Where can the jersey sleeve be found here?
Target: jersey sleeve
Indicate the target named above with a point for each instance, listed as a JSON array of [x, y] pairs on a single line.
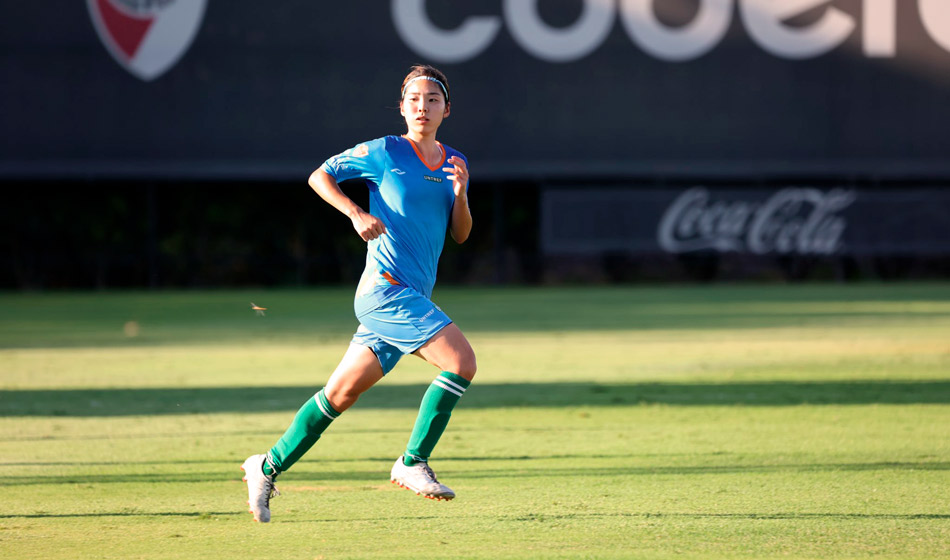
[[453, 152], [450, 151], [363, 161]]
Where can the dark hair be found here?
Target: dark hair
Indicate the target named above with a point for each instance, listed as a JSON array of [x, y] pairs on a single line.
[[431, 72]]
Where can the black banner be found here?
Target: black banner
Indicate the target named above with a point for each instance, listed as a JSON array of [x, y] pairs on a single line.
[[795, 221], [581, 88]]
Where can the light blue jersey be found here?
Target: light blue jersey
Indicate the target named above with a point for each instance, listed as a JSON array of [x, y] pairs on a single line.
[[413, 200]]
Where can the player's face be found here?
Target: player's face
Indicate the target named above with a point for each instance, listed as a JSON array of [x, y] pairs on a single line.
[[424, 107]]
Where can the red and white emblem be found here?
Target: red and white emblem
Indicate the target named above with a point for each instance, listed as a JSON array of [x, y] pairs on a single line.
[[147, 37]]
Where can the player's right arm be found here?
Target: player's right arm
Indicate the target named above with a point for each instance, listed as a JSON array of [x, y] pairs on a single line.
[[368, 226]]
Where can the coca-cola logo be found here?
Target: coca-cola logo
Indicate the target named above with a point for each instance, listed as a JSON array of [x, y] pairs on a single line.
[[792, 221]]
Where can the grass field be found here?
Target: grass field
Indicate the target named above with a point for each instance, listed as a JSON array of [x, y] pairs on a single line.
[[719, 422]]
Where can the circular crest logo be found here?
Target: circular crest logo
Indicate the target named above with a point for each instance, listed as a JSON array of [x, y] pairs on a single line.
[[147, 37]]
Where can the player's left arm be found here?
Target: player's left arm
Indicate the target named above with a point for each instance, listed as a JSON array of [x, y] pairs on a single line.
[[460, 222]]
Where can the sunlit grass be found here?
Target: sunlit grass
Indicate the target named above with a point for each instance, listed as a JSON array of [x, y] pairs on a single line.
[[736, 421]]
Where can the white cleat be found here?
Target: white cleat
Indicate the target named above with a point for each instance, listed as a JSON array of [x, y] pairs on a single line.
[[420, 479], [260, 488]]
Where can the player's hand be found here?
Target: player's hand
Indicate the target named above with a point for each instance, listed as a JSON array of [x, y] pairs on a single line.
[[458, 174], [368, 226]]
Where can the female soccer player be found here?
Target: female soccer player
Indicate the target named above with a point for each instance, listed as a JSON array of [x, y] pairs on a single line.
[[418, 190]]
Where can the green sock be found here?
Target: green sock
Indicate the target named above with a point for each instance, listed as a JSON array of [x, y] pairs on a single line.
[[434, 413], [311, 420]]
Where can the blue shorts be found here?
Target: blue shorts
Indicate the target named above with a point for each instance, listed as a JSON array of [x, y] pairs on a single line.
[[394, 321]]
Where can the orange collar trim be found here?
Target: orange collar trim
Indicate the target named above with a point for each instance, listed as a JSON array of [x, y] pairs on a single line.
[[415, 148]]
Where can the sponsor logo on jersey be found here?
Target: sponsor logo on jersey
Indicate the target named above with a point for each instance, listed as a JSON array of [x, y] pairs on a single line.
[[397, 171], [146, 37], [431, 178], [361, 151]]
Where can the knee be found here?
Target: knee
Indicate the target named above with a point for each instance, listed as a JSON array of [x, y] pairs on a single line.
[[467, 366], [342, 396]]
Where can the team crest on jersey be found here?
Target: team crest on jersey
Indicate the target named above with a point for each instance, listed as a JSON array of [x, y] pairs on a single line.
[[361, 151], [147, 37]]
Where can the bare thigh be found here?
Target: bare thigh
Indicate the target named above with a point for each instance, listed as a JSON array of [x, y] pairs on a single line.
[[449, 350], [358, 371]]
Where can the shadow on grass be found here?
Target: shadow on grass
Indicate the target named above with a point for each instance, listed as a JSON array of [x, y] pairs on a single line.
[[740, 516], [223, 317], [526, 471], [150, 401], [540, 518], [194, 514]]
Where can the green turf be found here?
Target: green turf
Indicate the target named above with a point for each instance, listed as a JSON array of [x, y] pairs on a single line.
[[718, 422]]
